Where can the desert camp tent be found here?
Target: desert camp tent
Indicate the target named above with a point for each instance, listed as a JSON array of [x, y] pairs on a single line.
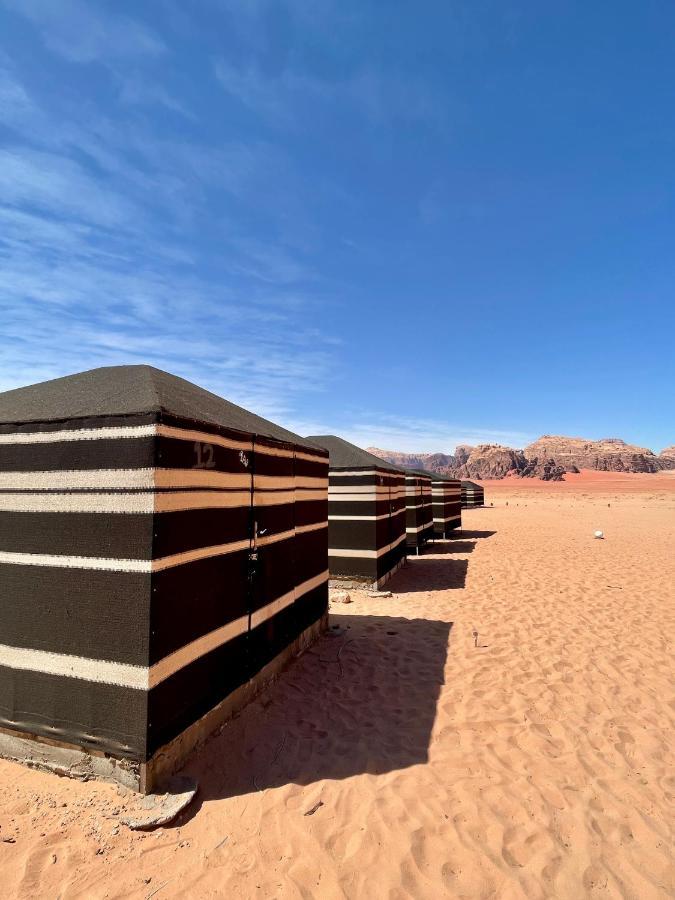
[[472, 494], [419, 524], [158, 547], [446, 503], [366, 513]]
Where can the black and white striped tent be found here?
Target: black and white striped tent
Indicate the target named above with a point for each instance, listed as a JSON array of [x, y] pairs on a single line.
[[472, 494], [158, 547], [419, 524], [366, 513], [446, 497]]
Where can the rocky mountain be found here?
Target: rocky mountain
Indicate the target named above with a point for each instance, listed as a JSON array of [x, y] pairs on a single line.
[[607, 455], [667, 458], [483, 461], [433, 462], [548, 458]]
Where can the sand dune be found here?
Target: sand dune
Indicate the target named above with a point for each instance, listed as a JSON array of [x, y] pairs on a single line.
[[538, 764]]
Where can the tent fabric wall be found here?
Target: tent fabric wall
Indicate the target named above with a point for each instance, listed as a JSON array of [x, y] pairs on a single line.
[[366, 513], [472, 494], [446, 495], [419, 518], [149, 563]]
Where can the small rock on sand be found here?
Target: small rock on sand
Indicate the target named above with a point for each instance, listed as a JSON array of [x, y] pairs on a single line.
[[160, 809], [340, 597]]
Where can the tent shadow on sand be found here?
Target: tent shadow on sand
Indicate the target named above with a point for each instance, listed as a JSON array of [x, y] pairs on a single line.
[[467, 533], [360, 700], [452, 547], [431, 571]]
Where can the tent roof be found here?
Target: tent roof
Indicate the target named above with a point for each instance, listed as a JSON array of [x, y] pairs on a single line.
[[130, 390], [439, 476], [471, 484], [344, 455], [421, 472]]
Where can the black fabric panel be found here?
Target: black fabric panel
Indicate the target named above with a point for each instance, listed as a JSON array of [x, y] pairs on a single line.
[[306, 468], [269, 638], [123, 453], [191, 600], [101, 615], [310, 607], [309, 512], [352, 535], [310, 552], [174, 453], [353, 508], [188, 694], [95, 716], [389, 529], [270, 465], [274, 519], [389, 561], [354, 567], [190, 529], [362, 480], [275, 573], [274, 569], [123, 536]]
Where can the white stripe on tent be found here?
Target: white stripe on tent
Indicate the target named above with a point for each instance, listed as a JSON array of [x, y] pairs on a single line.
[[148, 565], [149, 502], [139, 431], [97, 670], [449, 519], [413, 530], [142, 677], [364, 554], [366, 518], [80, 434]]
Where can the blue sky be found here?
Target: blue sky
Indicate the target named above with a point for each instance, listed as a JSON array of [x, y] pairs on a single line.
[[410, 224]]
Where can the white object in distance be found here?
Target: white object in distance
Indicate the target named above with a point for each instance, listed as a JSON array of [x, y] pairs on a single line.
[[599, 534]]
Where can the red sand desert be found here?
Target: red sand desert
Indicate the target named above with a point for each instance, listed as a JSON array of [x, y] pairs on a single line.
[[397, 759]]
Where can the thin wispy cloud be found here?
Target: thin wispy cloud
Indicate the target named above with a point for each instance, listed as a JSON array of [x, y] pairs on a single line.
[[284, 98], [94, 269], [82, 32], [409, 435]]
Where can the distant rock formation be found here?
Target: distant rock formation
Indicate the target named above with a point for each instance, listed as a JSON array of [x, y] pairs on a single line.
[[667, 458], [483, 461], [607, 455], [547, 469], [488, 461], [548, 458], [434, 462]]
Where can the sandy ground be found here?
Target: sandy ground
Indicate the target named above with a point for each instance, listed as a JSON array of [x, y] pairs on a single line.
[[537, 764]]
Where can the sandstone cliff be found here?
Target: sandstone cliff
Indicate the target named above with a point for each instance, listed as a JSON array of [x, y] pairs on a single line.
[[483, 461], [667, 458], [547, 458], [608, 455], [434, 462]]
